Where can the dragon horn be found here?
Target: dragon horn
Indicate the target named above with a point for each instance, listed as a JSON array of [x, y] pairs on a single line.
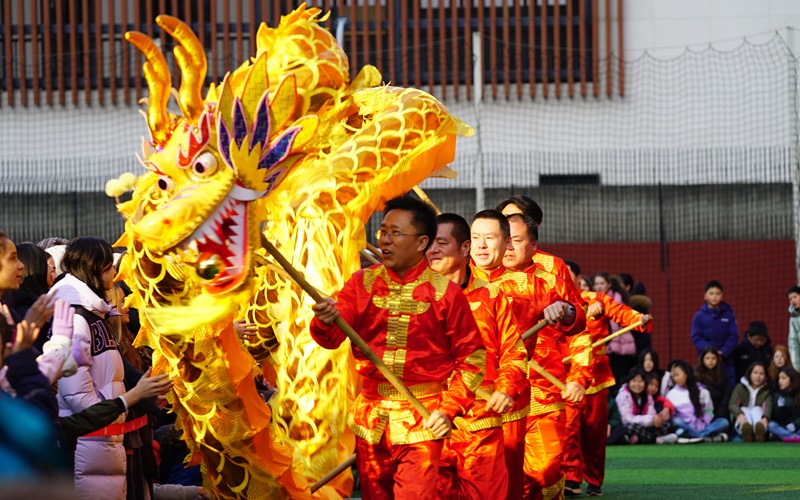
[[159, 81], [191, 59]]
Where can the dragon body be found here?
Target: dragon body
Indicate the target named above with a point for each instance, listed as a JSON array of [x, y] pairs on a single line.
[[286, 148]]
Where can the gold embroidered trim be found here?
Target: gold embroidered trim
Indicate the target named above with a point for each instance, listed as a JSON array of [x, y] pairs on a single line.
[[516, 415], [369, 278], [540, 409], [601, 351], [597, 388], [419, 391], [439, 282], [519, 278], [372, 436], [546, 261], [584, 357], [478, 283], [523, 363], [397, 430], [474, 306], [478, 425], [547, 277], [473, 379], [401, 306], [554, 491]]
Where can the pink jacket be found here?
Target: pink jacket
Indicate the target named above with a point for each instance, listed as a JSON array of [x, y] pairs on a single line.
[[625, 344], [628, 411], [100, 462]]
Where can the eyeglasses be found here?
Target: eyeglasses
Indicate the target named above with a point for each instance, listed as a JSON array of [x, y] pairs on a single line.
[[393, 235]]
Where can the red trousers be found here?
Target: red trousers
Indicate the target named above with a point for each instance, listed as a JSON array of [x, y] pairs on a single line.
[[473, 466], [514, 441], [402, 472], [585, 442], [543, 437]]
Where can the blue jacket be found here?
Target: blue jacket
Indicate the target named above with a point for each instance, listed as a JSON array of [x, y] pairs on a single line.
[[716, 327]]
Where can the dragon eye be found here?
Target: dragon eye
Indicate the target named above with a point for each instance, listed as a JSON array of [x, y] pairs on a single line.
[[165, 183], [204, 165]]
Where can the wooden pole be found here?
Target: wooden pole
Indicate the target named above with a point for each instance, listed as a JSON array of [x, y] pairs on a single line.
[[424, 197], [546, 374], [534, 330], [375, 250], [368, 255], [348, 330], [610, 337], [335, 472]]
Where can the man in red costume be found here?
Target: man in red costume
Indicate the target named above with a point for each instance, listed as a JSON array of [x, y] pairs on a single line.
[[420, 324], [587, 420], [547, 420], [474, 461], [534, 295]]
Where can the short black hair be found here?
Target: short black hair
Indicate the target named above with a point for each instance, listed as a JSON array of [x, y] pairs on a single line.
[[573, 266], [793, 289], [530, 224], [86, 258], [524, 203], [496, 215], [460, 227], [714, 284], [423, 215]]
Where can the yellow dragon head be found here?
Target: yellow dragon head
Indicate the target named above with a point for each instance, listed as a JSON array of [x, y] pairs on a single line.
[[207, 166]]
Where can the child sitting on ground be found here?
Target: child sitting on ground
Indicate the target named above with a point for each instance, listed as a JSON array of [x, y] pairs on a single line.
[[751, 404], [694, 411], [779, 359], [664, 408], [785, 423], [638, 411], [709, 372]]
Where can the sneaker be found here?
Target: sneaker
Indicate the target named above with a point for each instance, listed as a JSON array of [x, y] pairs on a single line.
[[572, 489], [690, 440], [761, 432], [594, 491], [720, 438], [747, 432], [671, 438]]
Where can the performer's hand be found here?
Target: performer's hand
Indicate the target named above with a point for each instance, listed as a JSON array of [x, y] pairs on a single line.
[[204, 494], [555, 312], [657, 421], [740, 419], [438, 423], [326, 310], [574, 392], [595, 310], [244, 330], [664, 414], [646, 318], [500, 402]]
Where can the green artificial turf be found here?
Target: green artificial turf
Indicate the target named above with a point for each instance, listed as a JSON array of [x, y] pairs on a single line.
[[706, 471]]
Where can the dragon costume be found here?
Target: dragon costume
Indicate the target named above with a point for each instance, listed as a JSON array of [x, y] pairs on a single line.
[[286, 148]]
